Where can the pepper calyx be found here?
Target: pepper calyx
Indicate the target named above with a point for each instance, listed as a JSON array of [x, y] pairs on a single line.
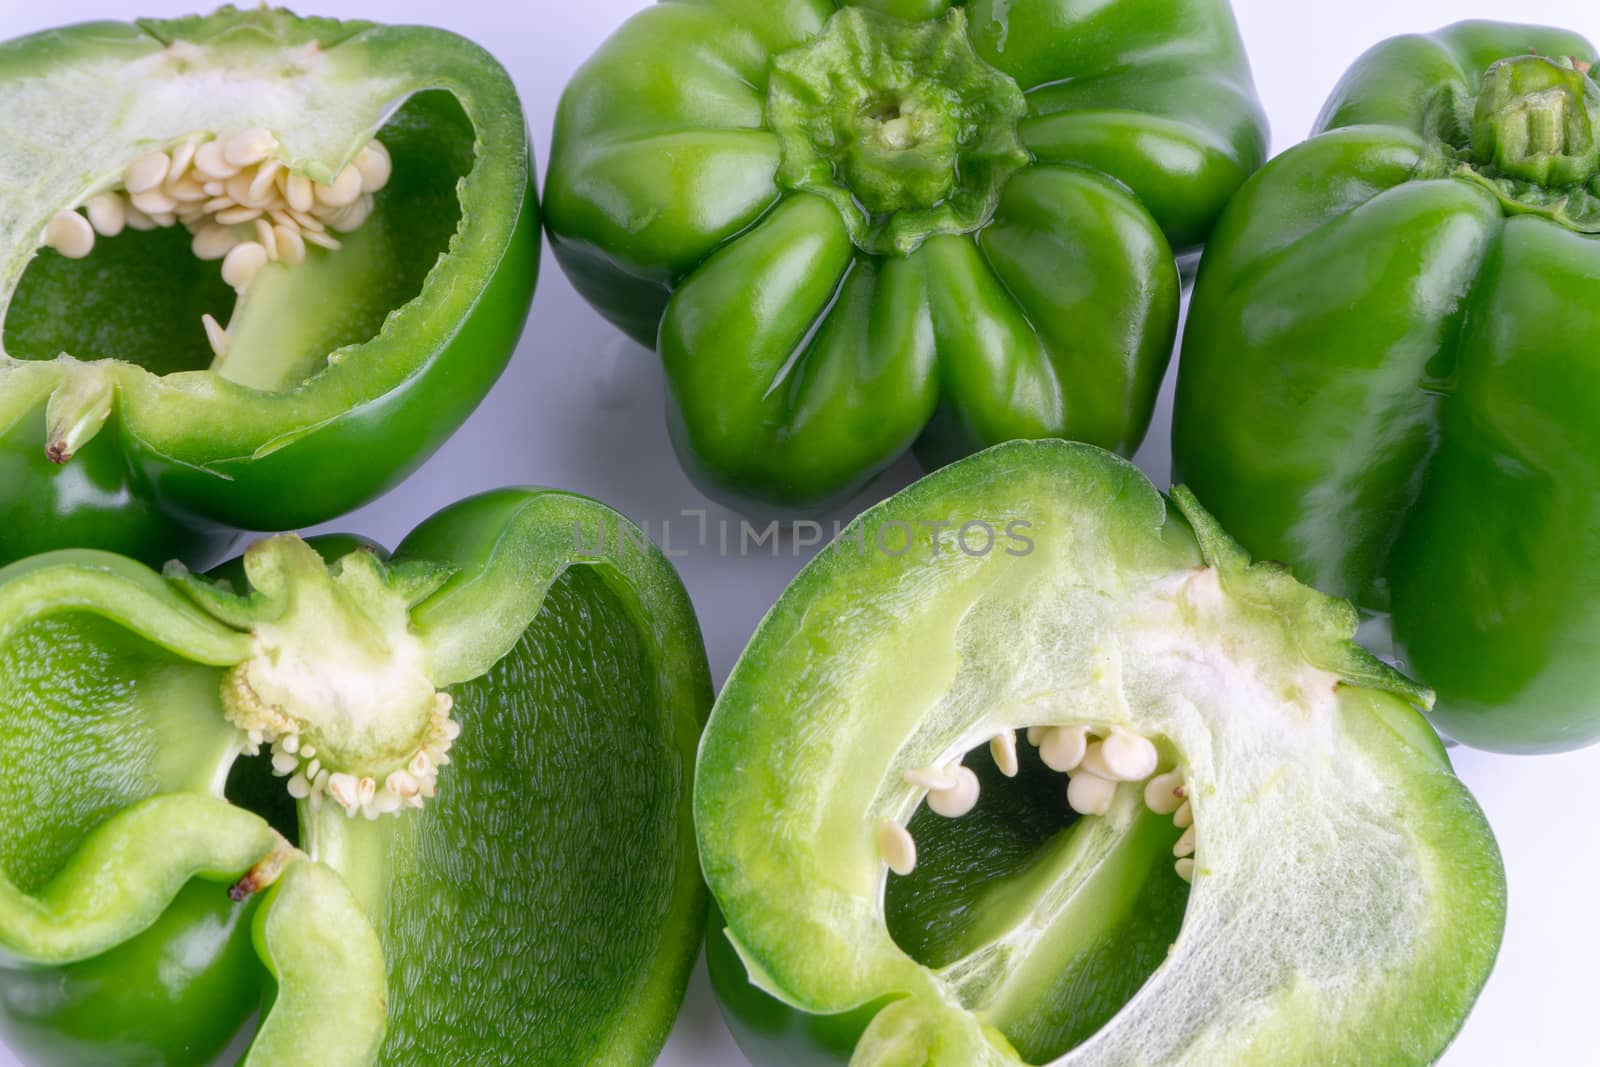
[[901, 125], [338, 685]]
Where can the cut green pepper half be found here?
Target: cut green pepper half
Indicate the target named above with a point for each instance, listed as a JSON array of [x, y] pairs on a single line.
[[426, 808], [254, 269], [952, 798], [852, 229]]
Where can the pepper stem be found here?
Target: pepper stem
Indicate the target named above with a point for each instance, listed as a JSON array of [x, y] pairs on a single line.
[[1536, 120]]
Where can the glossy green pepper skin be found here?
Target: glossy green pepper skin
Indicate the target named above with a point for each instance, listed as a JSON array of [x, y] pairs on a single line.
[[467, 837], [1387, 374], [176, 993], [1347, 896], [856, 229], [119, 428]]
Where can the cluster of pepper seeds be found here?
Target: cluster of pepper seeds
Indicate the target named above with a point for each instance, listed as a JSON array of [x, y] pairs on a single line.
[[408, 787], [241, 203], [1096, 763]]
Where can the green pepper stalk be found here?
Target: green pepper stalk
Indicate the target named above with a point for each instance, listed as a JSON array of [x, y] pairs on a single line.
[[421, 806], [256, 269], [1388, 372], [857, 229], [1122, 796]]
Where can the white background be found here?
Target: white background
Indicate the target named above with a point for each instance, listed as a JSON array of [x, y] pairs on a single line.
[[581, 409]]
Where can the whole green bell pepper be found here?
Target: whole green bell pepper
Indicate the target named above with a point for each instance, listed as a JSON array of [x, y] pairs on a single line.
[[1388, 379], [857, 228], [1347, 897], [466, 837], [360, 331]]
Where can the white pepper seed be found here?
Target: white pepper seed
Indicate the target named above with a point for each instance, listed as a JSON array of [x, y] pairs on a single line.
[[352, 217], [960, 798], [210, 161], [897, 847], [238, 189], [1128, 756], [343, 788], [154, 202], [1089, 794], [291, 246], [344, 190], [182, 159], [249, 147], [1184, 816], [213, 242], [219, 340], [146, 173], [234, 216], [1063, 747], [1185, 868], [308, 222], [267, 238], [375, 165], [186, 191], [1161, 794], [108, 214], [138, 220], [298, 192], [263, 187], [932, 779], [1003, 748], [242, 263], [1185, 845], [70, 234]]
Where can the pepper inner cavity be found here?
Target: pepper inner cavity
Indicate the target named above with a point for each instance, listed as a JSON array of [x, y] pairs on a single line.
[[155, 287], [1096, 760], [1041, 919]]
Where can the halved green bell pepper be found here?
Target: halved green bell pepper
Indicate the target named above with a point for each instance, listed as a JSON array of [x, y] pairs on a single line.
[[852, 229], [1347, 896], [122, 426], [1388, 376], [465, 835]]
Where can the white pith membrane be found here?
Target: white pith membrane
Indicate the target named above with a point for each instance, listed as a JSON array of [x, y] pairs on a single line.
[[338, 690], [1303, 877], [240, 200]]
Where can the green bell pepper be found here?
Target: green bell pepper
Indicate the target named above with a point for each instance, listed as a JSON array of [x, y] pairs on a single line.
[[372, 249], [1387, 372], [855, 229], [1347, 896], [464, 836]]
